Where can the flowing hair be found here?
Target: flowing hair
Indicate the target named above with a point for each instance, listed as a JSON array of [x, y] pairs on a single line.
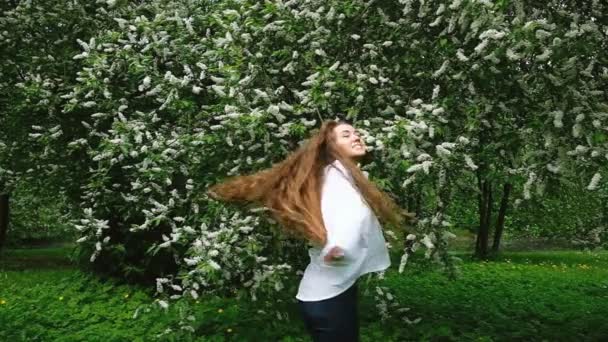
[[291, 189]]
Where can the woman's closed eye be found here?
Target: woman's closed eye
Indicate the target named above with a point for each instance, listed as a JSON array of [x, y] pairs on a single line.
[[348, 135]]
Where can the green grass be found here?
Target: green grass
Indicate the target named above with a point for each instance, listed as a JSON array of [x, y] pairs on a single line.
[[520, 296], [539, 296], [47, 299], [36, 258]]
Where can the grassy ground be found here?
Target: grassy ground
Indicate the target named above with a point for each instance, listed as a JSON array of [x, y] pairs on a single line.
[[522, 296]]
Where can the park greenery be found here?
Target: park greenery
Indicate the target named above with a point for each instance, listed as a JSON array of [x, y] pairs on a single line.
[[531, 296], [488, 117]]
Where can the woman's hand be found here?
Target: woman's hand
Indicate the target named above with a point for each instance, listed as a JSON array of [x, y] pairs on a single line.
[[336, 253], [212, 195]]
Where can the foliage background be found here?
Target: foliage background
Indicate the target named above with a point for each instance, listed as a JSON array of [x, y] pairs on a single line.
[[129, 110]]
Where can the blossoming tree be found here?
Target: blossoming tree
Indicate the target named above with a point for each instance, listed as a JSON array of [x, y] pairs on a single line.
[[172, 96]]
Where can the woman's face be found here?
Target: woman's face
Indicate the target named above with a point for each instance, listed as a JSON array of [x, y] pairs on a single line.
[[349, 141]]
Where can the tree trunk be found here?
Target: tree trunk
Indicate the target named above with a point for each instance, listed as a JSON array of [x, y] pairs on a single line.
[[413, 206], [4, 216], [411, 203], [488, 216], [604, 206], [414, 202], [485, 214], [500, 221], [418, 210]]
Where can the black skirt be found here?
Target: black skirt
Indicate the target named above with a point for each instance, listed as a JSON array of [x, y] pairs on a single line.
[[333, 319]]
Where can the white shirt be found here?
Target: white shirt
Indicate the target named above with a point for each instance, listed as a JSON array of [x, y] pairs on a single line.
[[352, 226]]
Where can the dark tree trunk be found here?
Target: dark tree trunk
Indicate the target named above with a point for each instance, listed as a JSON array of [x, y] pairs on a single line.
[[410, 203], [414, 202], [490, 200], [418, 207], [4, 217], [500, 221], [604, 205], [485, 214]]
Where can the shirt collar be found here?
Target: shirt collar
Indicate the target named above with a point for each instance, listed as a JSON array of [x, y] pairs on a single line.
[[340, 166], [337, 163]]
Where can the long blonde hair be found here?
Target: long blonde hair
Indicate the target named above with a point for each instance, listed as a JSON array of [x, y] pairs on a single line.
[[291, 189]]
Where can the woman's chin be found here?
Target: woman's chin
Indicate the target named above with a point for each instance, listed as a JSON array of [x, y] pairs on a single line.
[[357, 155]]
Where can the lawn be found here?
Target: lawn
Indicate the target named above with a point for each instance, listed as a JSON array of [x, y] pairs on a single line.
[[521, 296]]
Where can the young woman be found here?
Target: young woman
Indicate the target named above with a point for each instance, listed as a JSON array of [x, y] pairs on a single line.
[[318, 193]]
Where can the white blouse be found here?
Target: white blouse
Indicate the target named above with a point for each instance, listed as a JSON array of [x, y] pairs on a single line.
[[352, 226]]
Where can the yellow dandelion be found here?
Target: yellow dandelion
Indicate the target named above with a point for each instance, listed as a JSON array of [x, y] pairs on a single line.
[[2, 301]]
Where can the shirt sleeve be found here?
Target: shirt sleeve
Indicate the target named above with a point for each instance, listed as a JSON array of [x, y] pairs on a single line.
[[343, 217]]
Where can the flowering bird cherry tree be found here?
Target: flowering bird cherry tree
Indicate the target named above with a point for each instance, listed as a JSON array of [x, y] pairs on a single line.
[[172, 96]]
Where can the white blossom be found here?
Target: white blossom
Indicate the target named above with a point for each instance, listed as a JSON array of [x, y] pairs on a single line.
[[470, 162], [594, 181], [163, 304]]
